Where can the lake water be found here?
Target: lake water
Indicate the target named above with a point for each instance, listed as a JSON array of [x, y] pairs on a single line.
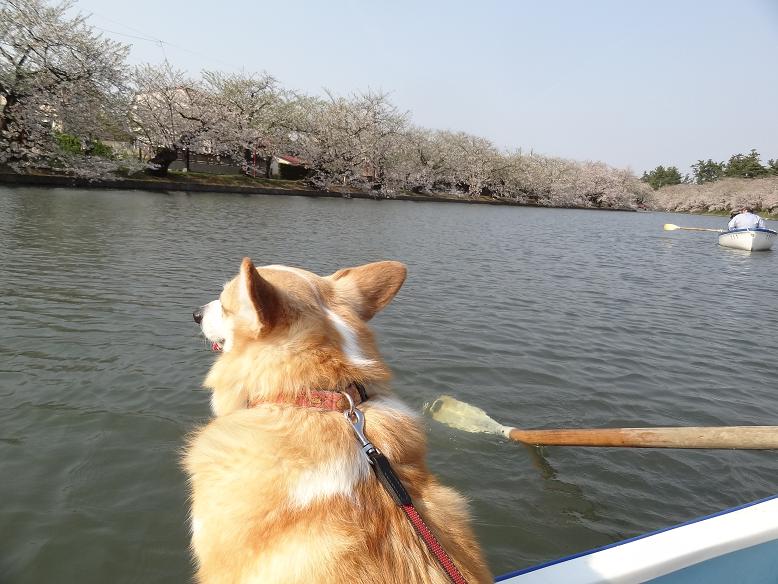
[[542, 317]]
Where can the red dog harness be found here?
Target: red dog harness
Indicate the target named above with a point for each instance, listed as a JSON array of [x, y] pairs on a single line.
[[346, 401]]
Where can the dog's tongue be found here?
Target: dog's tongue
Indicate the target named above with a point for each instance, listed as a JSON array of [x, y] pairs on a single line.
[[215, 346]]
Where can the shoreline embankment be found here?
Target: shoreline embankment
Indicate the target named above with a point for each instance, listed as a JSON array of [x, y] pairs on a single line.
[[161, 185]]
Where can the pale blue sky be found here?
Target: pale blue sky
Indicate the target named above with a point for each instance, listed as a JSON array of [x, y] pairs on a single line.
[[631, 83]]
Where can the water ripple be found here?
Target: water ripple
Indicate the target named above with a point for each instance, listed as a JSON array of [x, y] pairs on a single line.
[[544, 318]]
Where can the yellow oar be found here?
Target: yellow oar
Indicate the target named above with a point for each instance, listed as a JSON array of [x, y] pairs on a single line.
[[671, 227], [469, 418]]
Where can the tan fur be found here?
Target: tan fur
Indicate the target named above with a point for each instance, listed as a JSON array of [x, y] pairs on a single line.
[[281, 493]]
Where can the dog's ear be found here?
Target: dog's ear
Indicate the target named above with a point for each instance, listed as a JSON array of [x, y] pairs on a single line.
[[370, 287], [261, 303]]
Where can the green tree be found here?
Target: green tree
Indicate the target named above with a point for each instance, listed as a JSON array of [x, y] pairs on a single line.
[[745, 166], [661, 176], [772, 166], [706, 171]]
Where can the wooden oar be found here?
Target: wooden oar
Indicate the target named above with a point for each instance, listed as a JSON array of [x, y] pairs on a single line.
[[671, 227], [469, 418]]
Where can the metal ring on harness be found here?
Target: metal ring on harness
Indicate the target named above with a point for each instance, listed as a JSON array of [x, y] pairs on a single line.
[[350, 413]]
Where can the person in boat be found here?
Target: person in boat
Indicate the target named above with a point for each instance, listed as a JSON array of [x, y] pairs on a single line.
[[746, 219]]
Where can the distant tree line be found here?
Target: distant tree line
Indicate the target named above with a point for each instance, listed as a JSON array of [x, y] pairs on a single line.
[[707, 171], [66, 93]]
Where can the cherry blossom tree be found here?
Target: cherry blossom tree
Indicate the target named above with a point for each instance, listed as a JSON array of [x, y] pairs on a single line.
[[599, 185], [249, 114], [473, 163], [222, 114], [347, 140], [719, 196], [418, 162], [56, 73], [169, 112]]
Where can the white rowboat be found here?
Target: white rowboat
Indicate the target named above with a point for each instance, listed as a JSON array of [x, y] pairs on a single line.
[[755, 239], [736, 545]]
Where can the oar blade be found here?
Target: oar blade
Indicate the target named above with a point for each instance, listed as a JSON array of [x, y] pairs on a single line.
[[463, 416], [670, 227]]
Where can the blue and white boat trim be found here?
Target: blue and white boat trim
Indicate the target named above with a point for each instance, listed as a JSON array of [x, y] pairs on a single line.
[[736, 545]]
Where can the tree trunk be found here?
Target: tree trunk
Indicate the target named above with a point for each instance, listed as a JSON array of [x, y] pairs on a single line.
[[11, 99], [6, 119], [163, 159]]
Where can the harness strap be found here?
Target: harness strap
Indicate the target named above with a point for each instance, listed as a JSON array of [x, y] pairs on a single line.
[[434, 545], [394, 486]]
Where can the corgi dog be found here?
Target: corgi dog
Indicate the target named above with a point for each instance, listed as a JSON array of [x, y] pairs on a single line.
[[281, 490]]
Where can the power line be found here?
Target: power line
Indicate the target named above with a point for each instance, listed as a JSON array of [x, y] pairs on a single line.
[[132, 36], [158, 41]]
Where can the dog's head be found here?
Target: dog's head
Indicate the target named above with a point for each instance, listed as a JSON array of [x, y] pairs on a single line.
[[290, 315]]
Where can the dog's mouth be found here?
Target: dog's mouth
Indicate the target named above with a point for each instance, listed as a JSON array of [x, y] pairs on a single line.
[[217, 346]]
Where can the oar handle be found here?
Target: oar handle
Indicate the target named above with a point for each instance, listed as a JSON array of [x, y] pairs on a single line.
[[701, 229], [745, 437]]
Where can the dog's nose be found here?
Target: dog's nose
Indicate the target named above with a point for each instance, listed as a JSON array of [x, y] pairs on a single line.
[[198, 315]]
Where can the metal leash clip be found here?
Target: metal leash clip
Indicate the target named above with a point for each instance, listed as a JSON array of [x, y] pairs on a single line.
[[357, 420], [383, 470]]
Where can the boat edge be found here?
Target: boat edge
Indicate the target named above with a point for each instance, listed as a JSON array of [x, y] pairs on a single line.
[[643, 536]]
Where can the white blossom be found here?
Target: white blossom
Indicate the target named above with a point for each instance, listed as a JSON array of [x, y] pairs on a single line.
[[56, 74]]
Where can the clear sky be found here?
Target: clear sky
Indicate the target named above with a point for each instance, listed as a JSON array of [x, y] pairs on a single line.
[[631, 83]]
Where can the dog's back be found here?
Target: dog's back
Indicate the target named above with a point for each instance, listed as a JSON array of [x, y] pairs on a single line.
[[281, 492]]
